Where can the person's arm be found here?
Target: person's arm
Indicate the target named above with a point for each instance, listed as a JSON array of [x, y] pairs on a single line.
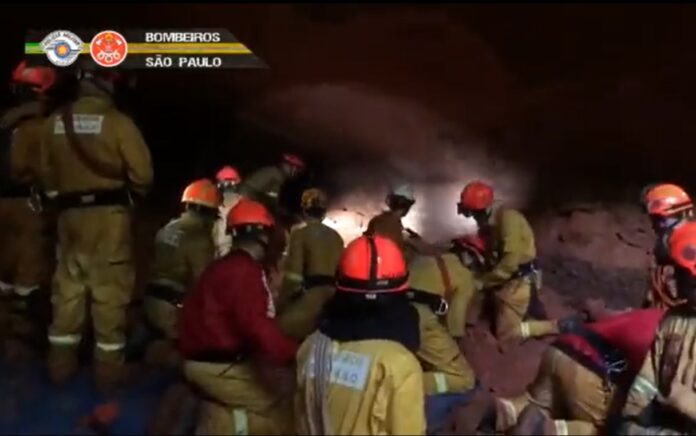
[[639, 412], [292, 269], [406, 414], [135, 154], [464, 290], [511, 251], [200, 251], [253, 318]]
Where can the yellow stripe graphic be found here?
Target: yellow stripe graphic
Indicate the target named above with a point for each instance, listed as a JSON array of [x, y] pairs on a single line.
[[168, 48]]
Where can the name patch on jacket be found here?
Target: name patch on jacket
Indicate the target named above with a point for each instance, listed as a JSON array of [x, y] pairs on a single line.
[[84, 124], [347, 369]]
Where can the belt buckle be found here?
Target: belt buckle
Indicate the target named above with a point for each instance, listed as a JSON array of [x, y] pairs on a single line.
[[443, 308], [87, 199]]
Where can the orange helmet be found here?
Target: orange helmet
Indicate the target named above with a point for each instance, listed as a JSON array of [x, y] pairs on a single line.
[[370, 265], [666, 199], [682, 246], [203, 193], [293, 160], [249, 214], [39, 78], [228, 175], [475, 196], [472, 244]]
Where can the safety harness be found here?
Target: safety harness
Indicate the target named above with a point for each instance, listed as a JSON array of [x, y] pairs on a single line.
[[438, 304], [166, 293]]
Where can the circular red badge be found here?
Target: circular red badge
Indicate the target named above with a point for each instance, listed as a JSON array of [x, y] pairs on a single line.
[[108, 48]]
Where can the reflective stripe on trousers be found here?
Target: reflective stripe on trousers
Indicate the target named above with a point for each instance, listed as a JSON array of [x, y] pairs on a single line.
[[64, 339], [241, 422], [561, 427], [440, 382], [111, 347]]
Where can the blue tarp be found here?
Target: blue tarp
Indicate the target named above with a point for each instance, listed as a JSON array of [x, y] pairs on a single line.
[[31, 404], [439, 408]]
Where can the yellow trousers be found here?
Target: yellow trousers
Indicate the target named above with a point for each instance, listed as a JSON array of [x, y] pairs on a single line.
[[574, 396], [236, 402], [511, 305]]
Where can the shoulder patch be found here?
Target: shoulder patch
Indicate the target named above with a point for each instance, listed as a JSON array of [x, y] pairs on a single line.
[[84, 124], [348, 369]]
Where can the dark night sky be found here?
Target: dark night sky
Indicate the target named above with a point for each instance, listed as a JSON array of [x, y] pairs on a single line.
[[586, 95]]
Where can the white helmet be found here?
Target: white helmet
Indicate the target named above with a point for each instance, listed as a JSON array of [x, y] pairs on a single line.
[[404, 191]]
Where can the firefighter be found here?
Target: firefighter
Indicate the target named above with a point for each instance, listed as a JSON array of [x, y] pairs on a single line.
[[25, 262], [183, 249], [312, 256], [357, 374], [228, 180], [667, 205], [265, 184], [389, 223], [662, 399], [471, 251], [584, 377], [229, 338], [441, 289], [513, 276], [97, 160]]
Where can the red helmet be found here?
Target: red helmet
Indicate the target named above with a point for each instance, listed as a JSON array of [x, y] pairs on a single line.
[[203, 193], [665, 200], [472, 244], [475, 196], [228, 174], [39, 78], [249, 214], [372, 264], [682, 246], [294, 160]]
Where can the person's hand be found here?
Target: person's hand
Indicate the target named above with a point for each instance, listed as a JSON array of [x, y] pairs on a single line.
[[682, 396]]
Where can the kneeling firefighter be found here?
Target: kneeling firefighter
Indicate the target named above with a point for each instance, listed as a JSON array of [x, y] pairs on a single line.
[[265, 184], [309, 267], [183, 249], [441, 290], [583, 378], [228, 180], [25, 263], [668, 206], [513, 276], [235, 355], [357, 374]]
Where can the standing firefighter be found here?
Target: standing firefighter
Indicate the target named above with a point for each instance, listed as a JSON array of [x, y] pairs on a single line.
[[183, 249], [667, 206], [357, 374], [228, 180], [265, 184], [98, 160], [513, 276], [308, 280], [662, 399], [400, 200], [230, 340], [25, 262]]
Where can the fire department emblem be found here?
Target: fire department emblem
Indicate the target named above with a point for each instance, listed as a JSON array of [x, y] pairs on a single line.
[[108, 48]]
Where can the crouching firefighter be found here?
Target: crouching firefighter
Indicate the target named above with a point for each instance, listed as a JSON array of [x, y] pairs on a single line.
[[357, 374], [582, 380], [441, 290], [235, 355], [389, 223], [183, 249], [309, 267], [228, 180], [97, 160], [662, 399], [668, 206], [25, 263], [265, 184], [513, 276]]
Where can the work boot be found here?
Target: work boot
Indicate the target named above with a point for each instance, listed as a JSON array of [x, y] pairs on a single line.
[[62, 364], [533, 420], [109, 376]]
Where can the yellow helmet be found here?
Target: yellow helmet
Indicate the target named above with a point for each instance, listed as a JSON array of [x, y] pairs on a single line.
[[314, 198]]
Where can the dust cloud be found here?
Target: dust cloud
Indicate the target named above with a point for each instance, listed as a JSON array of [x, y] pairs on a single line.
[[372, 141]]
